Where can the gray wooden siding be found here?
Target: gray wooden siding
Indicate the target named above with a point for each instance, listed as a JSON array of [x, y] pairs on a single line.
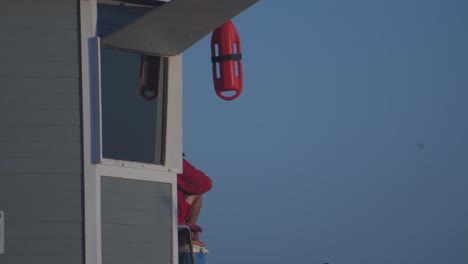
[[136, 221], [41, 188]]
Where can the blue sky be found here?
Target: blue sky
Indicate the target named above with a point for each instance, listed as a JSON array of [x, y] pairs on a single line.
[[349, 143]]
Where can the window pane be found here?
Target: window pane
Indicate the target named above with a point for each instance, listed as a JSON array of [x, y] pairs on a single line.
[[131, 125]]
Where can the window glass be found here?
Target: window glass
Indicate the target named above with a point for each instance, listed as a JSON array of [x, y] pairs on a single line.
[[131, 125]]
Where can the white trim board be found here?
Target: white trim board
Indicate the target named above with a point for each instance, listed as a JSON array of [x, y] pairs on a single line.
[[136, 174], [2, 232], [94, 166], [92, 187]]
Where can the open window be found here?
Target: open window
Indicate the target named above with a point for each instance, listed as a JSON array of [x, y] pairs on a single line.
[[132, 126], [133, 94]]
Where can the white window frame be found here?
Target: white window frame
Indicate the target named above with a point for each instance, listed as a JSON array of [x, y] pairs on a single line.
[[94, 165]]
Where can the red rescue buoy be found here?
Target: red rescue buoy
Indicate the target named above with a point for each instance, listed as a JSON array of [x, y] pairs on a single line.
[[149, 76], [226, 59]]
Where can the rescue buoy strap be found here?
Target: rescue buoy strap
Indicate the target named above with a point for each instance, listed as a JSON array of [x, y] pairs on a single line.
[[228, 57]]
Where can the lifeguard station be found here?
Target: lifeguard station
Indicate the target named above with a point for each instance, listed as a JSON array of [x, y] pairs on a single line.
[[91, 125]]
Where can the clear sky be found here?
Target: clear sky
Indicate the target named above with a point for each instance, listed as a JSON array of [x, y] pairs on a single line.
[[349, 143]]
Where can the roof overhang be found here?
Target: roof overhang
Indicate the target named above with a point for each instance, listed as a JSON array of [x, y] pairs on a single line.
[[171, 28]]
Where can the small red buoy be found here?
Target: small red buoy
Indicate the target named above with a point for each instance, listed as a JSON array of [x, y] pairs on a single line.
[[226, 58]]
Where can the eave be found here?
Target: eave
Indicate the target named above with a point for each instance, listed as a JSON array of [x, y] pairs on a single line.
[[171, 28]]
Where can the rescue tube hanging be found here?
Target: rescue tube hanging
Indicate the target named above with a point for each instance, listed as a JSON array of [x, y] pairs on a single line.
[[149, 76], [226, 58]]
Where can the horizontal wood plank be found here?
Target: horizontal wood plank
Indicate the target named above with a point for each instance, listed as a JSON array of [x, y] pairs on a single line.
[[44, 230], [32, 85], [51, 6], [40, 117], [39, 133], [45, 246], [34, 197], [40, 181], [55, 101], [20, 149], [40, 165], [136, 234], [40, 69], [19, 52], [44, 20], [39, 36]]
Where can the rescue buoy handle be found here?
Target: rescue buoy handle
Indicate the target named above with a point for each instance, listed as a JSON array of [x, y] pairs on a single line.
[[148, 95], [234, 57], [228, 98]]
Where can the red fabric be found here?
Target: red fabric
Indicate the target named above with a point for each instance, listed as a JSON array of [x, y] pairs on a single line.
[[183, 208], [190, 182]]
